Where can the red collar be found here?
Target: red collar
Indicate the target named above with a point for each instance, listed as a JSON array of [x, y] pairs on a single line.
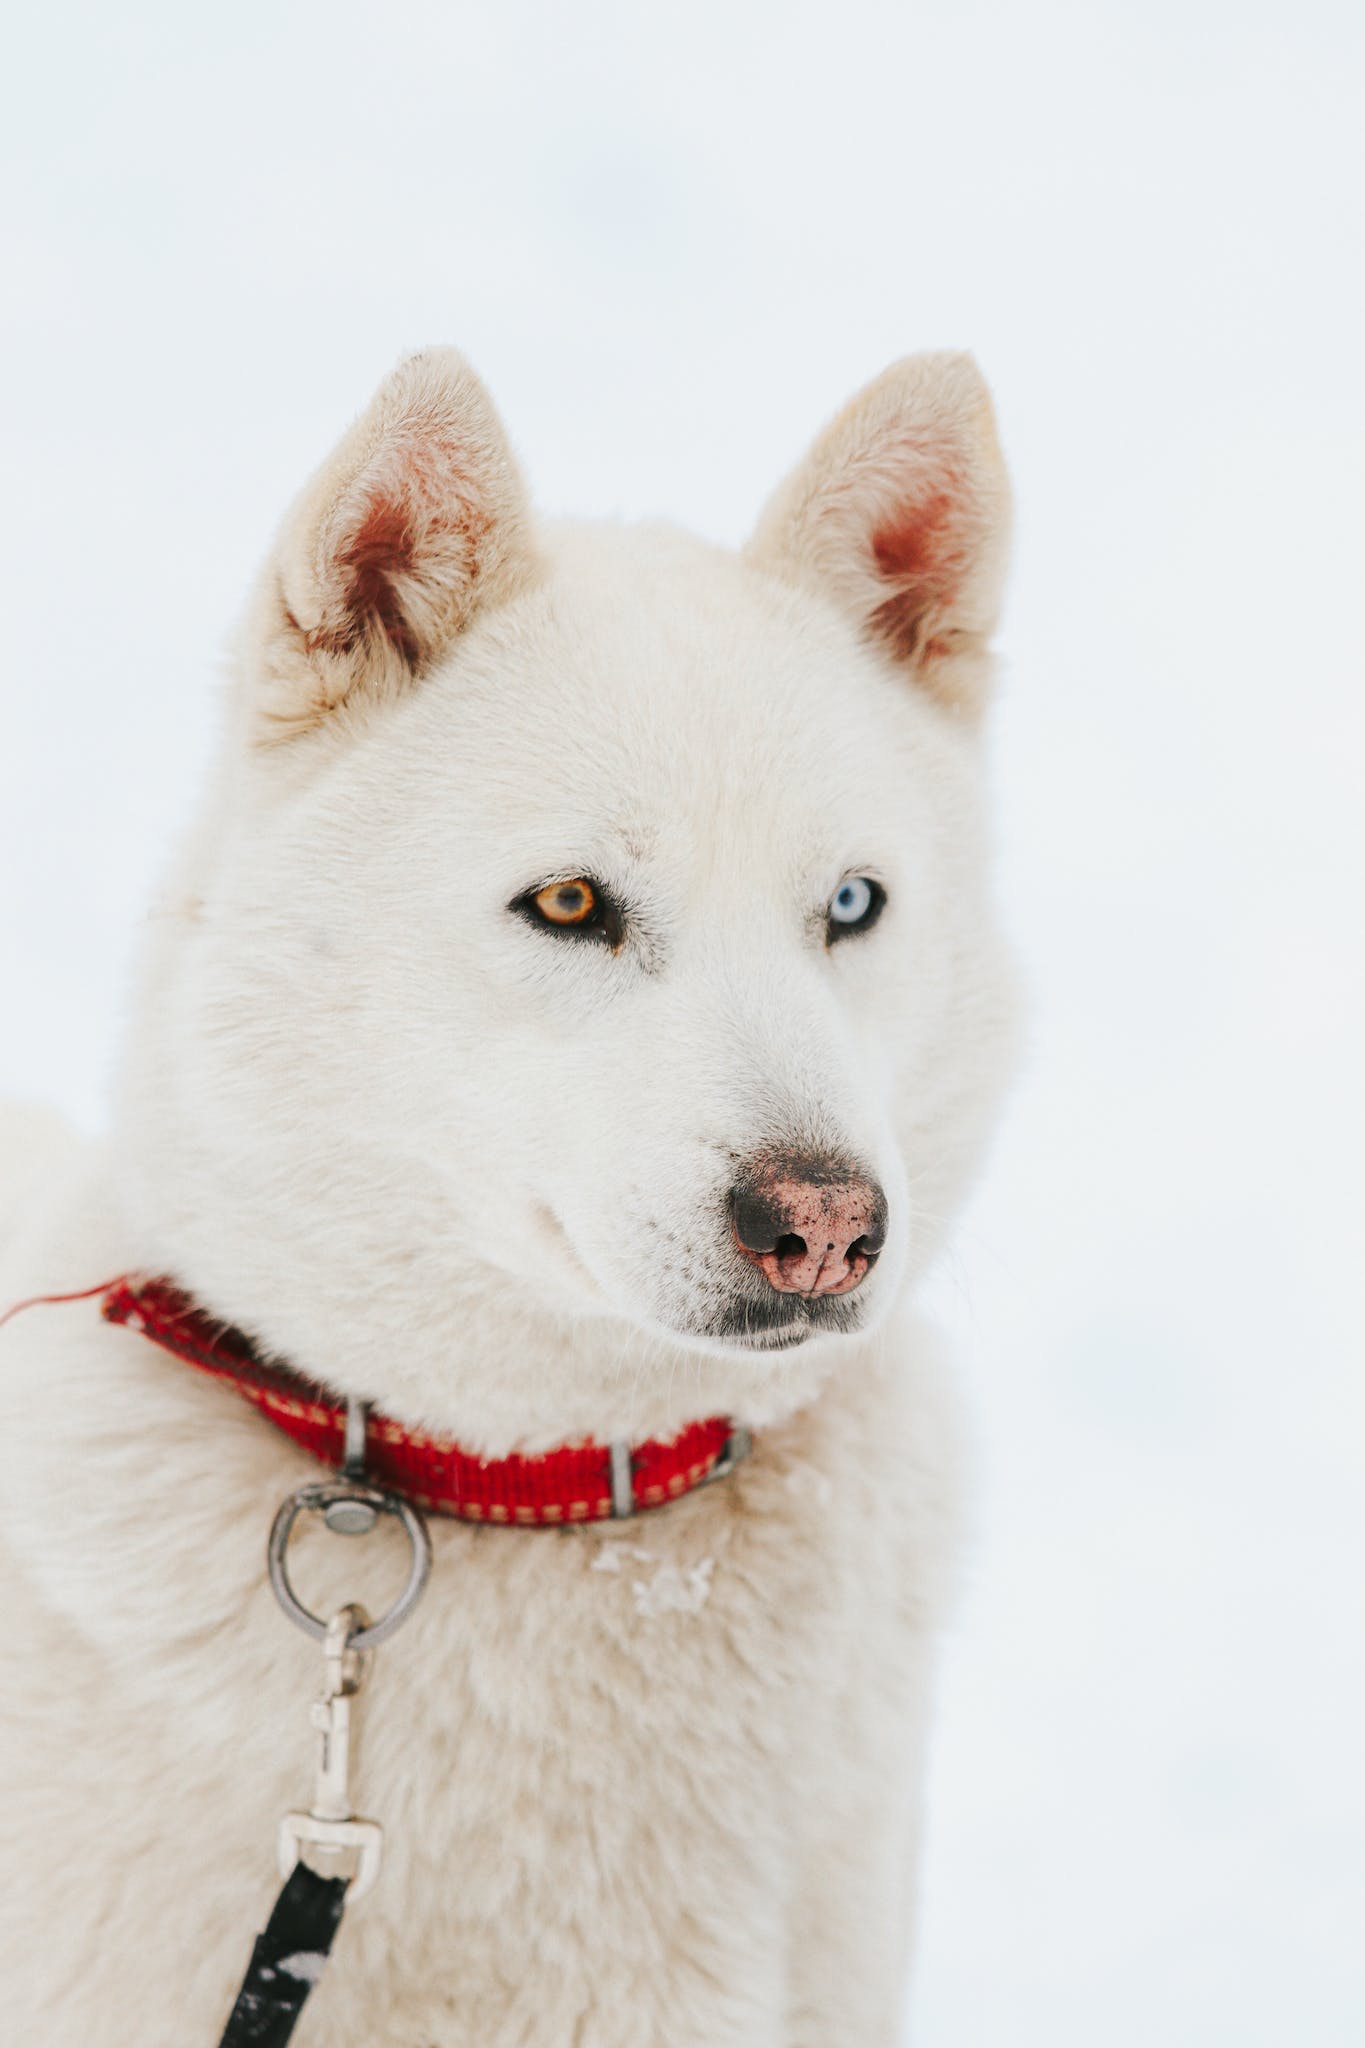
[[572, 1484]]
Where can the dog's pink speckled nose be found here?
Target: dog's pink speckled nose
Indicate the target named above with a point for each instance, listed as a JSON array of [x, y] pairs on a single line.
[[810, 1226]]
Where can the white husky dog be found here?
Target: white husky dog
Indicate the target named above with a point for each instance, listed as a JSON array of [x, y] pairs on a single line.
[[574, 1016]]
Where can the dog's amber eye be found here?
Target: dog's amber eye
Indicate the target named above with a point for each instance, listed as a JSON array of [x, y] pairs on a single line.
[[566, 903], [574, 909]]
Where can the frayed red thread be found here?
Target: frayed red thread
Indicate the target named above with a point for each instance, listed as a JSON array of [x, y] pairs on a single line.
[[43, 1300]]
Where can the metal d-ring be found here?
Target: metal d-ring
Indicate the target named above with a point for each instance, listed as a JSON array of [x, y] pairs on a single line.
[[316, 1500]]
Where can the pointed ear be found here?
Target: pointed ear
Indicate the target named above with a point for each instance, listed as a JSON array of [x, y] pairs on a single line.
[[418, 518], [900, 514]]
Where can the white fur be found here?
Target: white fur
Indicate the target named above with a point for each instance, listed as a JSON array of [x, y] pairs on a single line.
[[639, 1786]]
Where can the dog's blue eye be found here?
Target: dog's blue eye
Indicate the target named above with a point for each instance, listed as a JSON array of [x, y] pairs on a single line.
[[855, 905], [852, 901]]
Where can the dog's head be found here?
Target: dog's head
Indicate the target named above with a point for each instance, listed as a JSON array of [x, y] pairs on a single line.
[[589, 924]]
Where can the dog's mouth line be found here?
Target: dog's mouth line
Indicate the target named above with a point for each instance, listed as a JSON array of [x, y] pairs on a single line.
[[768, 1326]]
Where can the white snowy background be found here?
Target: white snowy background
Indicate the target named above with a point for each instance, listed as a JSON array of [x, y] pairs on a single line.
[[673, 239]]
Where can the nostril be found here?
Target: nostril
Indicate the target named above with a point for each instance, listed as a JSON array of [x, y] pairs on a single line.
[[866, 1247], [790, 1247]]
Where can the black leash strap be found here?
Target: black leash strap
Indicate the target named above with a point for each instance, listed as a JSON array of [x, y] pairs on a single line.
[[287, 1960]]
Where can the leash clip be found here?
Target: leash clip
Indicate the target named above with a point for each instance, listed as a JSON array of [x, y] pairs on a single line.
[[330, 1833]]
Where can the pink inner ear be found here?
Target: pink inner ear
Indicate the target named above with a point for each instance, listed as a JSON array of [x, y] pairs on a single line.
[[382, 549], [922, 553], [411, 543]]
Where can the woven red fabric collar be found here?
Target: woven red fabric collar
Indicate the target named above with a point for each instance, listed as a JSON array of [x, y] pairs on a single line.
[[583, 1482]]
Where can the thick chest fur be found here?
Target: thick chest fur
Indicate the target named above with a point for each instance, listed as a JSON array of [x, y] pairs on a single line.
[[619, 1773]]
